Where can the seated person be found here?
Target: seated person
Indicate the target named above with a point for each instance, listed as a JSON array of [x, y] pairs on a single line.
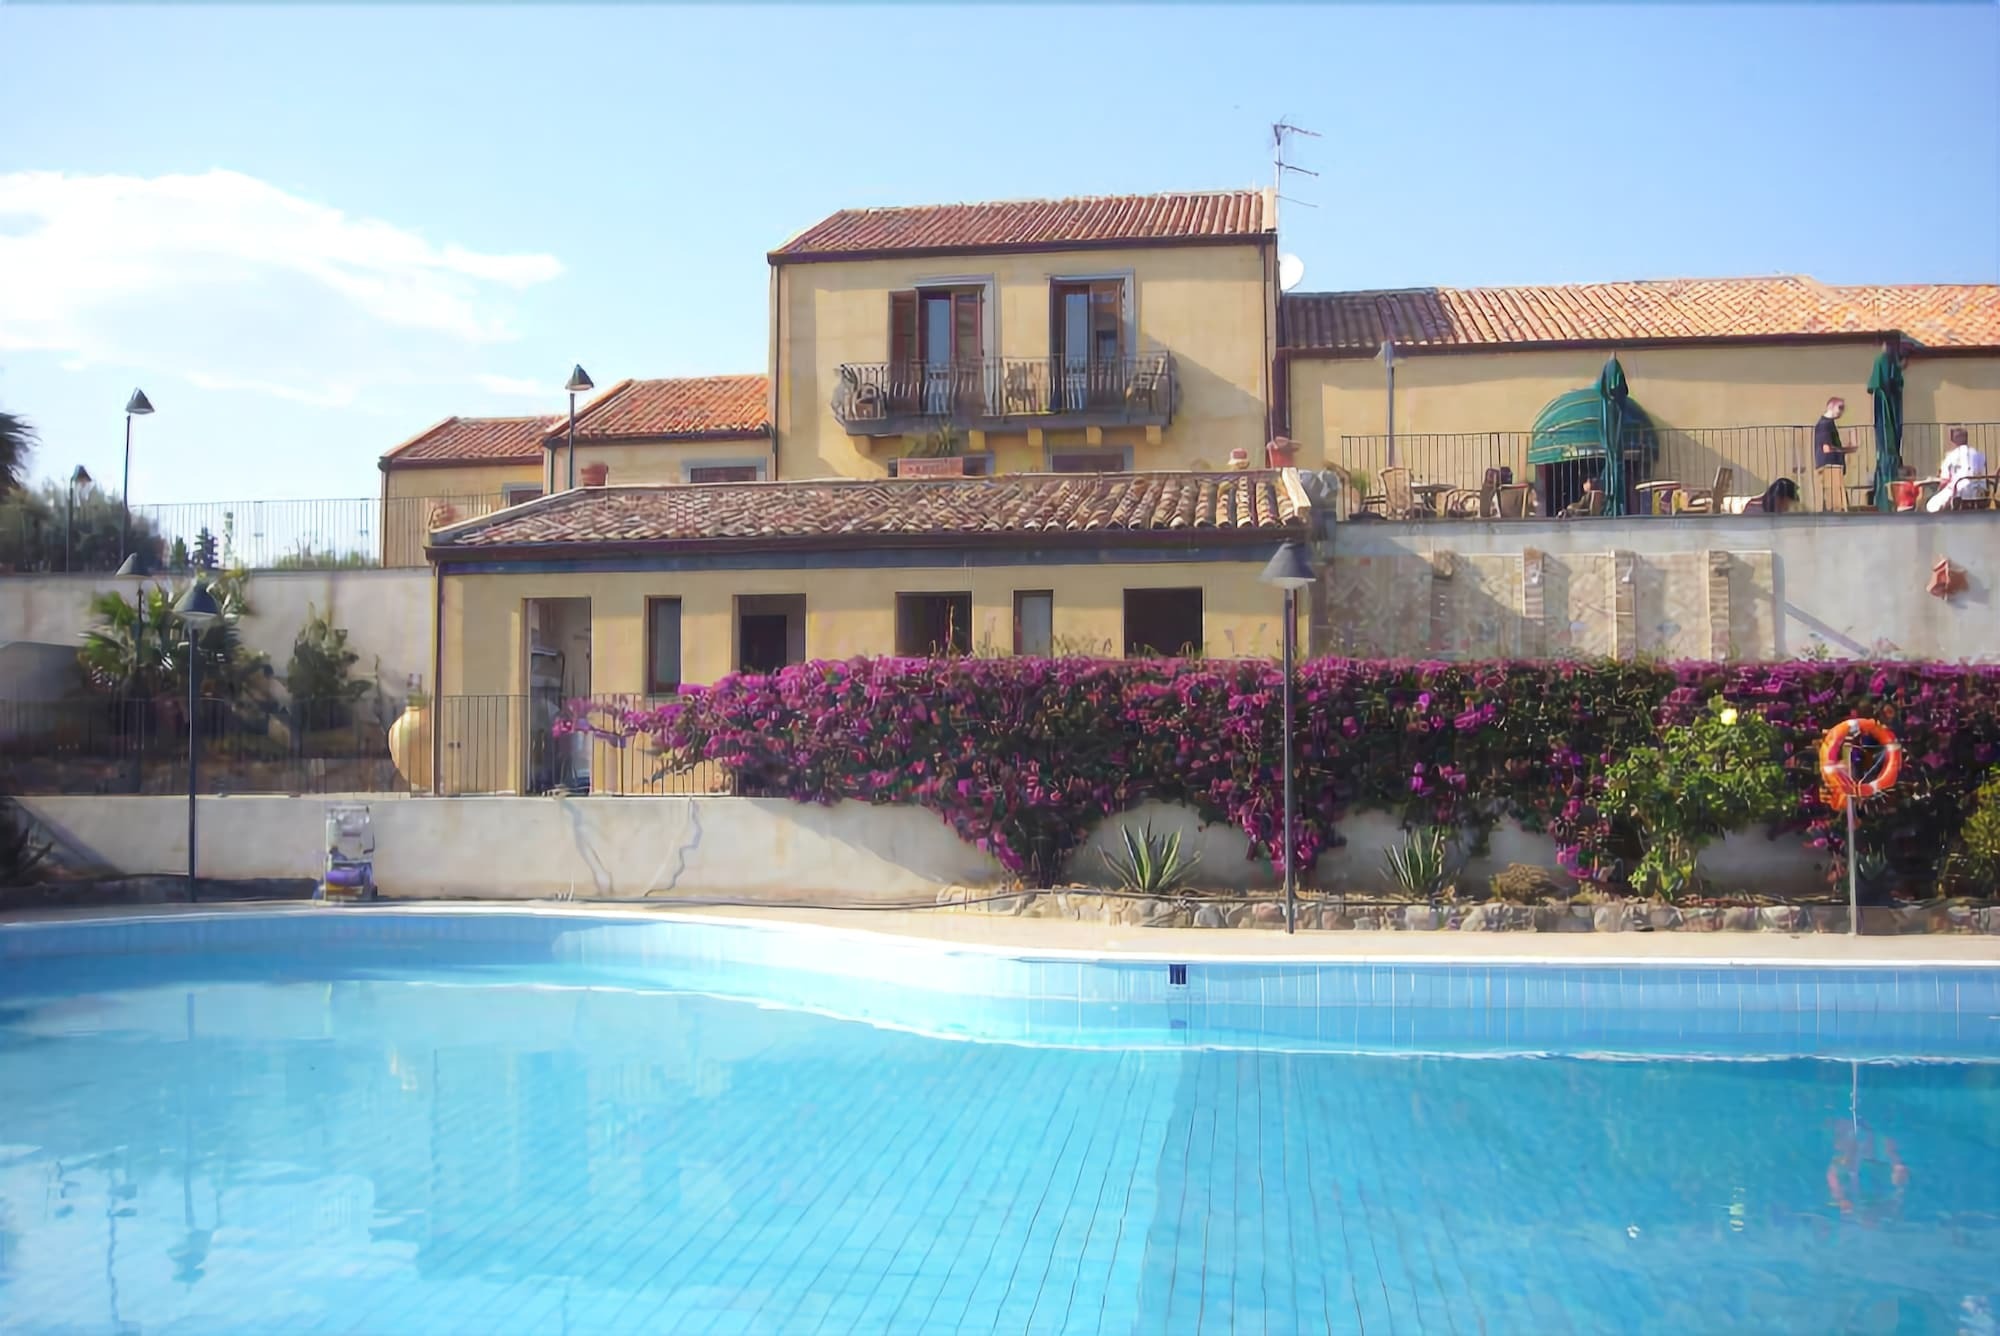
[[1583, 504], [1960, 479], [1778, 498]]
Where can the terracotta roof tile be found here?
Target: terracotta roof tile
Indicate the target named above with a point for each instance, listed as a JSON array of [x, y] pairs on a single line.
[[505, 440], [1044, 223], [848, 513], [686, 406], [1696, 308]]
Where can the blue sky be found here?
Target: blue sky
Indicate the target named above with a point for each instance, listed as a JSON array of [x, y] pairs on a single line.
[[310, 232]]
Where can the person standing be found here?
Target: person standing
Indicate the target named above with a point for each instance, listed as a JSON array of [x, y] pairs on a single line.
[[1830, 456], [1962, 476]]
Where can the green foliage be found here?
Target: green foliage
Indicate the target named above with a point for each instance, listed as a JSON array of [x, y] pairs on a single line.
[[942, 443], [23, 844], [1421, 868], [138, 648], [1525, 884], [1723, 770], [1977, 858], [307, 557], [17, 441], [1150, 864], [317, 676], [32, 523]]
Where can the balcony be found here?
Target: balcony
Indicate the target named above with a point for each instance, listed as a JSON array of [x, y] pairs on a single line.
[[1005, 393]]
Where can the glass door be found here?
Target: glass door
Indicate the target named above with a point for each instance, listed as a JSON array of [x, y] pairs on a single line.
[[1087, 336]]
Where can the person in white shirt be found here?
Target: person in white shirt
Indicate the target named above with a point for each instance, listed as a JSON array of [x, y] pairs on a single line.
[[1962, 475]]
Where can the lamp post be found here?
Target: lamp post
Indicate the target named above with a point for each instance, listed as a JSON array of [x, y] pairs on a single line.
[[1290, 571], [579, 383], [1389, 409], [198, 611], [79, 481], [137, 406]]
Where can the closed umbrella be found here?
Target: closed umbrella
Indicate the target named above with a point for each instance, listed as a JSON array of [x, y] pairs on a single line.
[[1885, 382], [1612, 392]]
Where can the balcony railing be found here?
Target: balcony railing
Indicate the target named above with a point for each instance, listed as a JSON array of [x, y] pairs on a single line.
[[1690, 456], [897, 398]]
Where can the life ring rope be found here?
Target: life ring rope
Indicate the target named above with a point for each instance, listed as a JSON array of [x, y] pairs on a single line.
[[1836, 762]]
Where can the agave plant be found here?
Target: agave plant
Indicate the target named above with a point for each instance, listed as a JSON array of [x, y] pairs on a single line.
[[1420, 868], [1150, 864]]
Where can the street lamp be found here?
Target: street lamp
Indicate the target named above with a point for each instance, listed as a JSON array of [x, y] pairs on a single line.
[[137, 406], [1289, 570], [579, 383], [79, 481], [198, 611]]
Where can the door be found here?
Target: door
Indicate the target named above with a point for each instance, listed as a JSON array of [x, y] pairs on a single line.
[[1087, 336]]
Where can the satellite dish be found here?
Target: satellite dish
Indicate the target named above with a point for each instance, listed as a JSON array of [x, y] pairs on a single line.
[[1291, 272]]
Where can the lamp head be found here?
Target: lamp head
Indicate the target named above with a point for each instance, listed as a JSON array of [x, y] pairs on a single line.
[[138, 405], [1288, 567], [580, 382]]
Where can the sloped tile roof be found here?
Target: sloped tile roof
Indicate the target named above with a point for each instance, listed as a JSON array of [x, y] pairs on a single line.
[[500, 440], [683, 406], [1167, 506], [1938, 315], [1659, 310], [1038, 223]]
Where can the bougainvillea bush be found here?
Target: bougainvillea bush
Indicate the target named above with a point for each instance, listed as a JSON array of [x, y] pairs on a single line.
[[1024, 756]]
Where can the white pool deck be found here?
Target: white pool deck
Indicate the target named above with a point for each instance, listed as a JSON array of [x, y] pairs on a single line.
[[1044, 937]]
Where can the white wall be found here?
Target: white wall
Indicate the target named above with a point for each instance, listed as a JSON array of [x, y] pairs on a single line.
[[1854, 584], [385, 613], [736, 848]]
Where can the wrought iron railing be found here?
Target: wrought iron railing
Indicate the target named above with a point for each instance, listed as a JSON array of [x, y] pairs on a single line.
[[886, 396], [1441, 466]]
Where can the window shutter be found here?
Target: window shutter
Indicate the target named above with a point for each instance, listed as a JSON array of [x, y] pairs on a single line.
[[903, 351], [965, 344]]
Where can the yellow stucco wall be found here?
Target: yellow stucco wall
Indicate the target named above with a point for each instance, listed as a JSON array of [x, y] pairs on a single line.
[[660, 461], [1681, 388], [410, 496], [848, 612], [1208, 305]]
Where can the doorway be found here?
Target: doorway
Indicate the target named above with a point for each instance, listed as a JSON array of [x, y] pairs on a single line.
[[558, 632], [770, 631]]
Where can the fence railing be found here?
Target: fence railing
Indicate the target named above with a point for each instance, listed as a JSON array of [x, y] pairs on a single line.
[[1689, 456], [875, 396], [484, 745]]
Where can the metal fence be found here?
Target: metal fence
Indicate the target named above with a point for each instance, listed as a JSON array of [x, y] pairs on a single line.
[[483, 745], [1441, 464], [1136, 389], [326, 534]]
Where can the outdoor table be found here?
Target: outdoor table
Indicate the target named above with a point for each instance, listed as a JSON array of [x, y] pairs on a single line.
[[1658, 496], [1427, 494], [1861, 496]]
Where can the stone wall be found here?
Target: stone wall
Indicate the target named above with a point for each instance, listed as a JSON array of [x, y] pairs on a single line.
[[1729, 587]]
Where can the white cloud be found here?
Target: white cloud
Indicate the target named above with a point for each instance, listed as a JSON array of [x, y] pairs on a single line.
[[234, 283]]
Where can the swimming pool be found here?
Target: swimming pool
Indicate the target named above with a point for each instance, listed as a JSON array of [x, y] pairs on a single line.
[[361, 1121]]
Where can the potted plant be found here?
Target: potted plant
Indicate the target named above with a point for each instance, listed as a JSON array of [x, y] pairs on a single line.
[[932, 455]]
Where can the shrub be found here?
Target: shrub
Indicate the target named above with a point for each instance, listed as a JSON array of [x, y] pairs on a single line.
[[1421, 868], [1977, 859], [1525, 884], [1718, 772], [317, 676], [1149, 864], [1022, 757]]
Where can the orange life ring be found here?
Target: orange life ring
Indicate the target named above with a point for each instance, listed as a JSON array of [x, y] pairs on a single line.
[[1840, 779]]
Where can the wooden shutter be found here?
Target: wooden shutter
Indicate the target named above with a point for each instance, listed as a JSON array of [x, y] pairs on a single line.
[[968, 368], [904, 357]]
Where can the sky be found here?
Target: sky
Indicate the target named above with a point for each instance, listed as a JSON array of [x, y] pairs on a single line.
[[308, 233]]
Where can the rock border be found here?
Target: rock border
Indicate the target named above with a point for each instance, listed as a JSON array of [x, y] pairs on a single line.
[[1321, 915]]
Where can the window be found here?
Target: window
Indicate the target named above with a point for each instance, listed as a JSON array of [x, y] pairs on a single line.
[[663, 646], [1162, 622], [770, 631], [933, 624], [1091, 461], [725, 473], [1034, 622], [936, 342], [516, 493], [1086, 340]]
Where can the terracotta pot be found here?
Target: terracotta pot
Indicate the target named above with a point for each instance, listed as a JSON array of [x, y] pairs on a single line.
[[410, 746], [595, 474], [1280, 453]]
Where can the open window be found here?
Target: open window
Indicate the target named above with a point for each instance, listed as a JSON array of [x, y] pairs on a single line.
[[1162, 623], [518, 493], [933, 624], [770, 631], [1086, 343], [936, 350], [663, 646]]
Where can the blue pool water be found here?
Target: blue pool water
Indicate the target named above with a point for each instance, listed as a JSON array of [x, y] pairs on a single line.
[[376, 1123]]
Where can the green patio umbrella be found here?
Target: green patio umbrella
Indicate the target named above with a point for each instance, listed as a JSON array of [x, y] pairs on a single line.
[[1612, 391], [1885, 382]]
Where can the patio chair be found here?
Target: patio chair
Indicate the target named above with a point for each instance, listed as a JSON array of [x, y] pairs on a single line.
[[867, 399], [1484, 503], [1395, 501], [1147, 391], [1983, 489], [1019, 391], [1708, 500], [1514, 501]]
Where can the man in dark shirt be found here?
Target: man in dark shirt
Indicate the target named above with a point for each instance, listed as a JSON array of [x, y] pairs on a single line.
[[1830, 456]]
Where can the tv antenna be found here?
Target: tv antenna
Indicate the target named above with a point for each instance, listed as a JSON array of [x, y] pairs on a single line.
[[1281, 135]]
